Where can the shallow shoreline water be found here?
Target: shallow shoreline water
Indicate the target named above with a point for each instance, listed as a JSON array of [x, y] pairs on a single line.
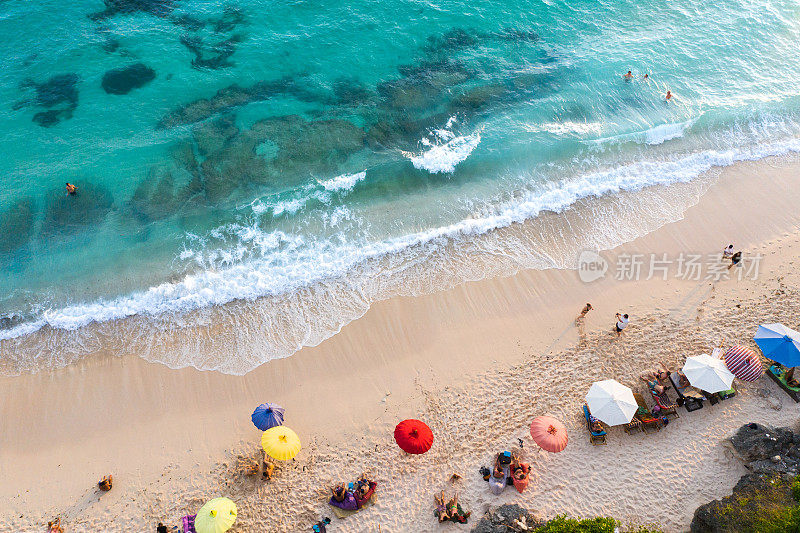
[[175, 434]]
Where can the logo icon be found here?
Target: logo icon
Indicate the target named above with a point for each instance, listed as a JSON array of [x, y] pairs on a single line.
[[591, 266]]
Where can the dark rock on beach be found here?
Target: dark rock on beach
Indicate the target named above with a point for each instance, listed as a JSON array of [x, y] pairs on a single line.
[[507, 518], [66, 214], [16, 225], [763, 498], [125, 79]]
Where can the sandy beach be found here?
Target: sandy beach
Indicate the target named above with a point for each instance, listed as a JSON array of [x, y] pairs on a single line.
[[477, 363]]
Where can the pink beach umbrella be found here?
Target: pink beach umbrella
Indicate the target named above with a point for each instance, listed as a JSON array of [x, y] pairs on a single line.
[[549, 433], [744, 363]]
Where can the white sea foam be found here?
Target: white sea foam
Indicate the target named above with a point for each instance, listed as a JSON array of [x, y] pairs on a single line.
[[444, 149], [271, 263], [652, 136], [345, 182], [566, 128]]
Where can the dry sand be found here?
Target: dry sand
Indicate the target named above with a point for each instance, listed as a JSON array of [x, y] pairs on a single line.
[[477, 363]]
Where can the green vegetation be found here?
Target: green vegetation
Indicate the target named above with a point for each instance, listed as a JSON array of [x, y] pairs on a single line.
[[767, 507], [562, 524]]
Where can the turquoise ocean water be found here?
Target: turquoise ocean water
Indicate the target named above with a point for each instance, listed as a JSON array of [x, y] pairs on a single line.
[[318, 154]]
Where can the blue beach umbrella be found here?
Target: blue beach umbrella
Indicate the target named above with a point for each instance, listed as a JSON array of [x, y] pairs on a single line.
[[267, 415], [779, 343]]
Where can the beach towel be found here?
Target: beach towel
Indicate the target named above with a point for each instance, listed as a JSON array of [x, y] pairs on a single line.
[[348, 504], [344, 513], [188, 523], [496, 485]]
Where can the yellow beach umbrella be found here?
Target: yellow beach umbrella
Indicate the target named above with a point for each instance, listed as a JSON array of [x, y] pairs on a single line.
[[280, 443], [216, 516]]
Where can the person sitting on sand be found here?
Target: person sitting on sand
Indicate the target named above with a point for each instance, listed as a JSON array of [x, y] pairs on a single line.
[[55, 526], [269, 468], [628, 76], [727, 253], [339, 492], [364, 491], [161, 528], [71, 189], [105, 483], [586, 308], [519, 475]]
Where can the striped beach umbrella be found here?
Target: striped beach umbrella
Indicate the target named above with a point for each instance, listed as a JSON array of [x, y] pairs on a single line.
[[744, 363]]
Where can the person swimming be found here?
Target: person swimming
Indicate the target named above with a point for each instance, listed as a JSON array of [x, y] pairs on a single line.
[[628, 76], [669, 96], [646, 77], [71, 189]]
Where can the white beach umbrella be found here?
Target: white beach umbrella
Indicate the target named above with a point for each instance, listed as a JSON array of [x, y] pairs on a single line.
[[611, 402], [708, 373]]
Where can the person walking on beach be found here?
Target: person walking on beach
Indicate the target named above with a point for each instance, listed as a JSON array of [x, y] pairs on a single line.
[[586, 308], [622, 323], [727, 253], [628, 76], [735, 259]]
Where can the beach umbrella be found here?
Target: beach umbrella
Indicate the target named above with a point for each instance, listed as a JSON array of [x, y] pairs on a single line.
[[280, 443], [216, 516], [611, 402], [779, 343], [267, 415], [707, 373], [413, 436], [549, 433], [744, 363]]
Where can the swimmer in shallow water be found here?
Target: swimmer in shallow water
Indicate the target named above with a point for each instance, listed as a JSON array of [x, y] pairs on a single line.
[[628, 76], [71, 189], [669, 96]]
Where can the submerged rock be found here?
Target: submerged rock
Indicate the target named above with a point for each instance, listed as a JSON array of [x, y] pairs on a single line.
[[67, 214], [214, 57], [125, 79], [60, 90], [16, 225], [157, 8]]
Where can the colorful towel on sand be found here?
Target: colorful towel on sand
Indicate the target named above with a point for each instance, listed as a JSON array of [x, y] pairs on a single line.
[[188, 523]]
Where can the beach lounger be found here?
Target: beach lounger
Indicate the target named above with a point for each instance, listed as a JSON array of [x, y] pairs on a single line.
[[666, 407], [777, 372], [595, 437], [648, 419], [188, 523], [634, 425], [691, 403]]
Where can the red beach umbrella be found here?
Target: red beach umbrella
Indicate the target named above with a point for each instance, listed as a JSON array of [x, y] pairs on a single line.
[[549, 433], [743, 363], [413, 436]]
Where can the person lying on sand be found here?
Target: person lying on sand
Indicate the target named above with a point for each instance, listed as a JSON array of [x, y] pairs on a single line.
[[106, 483], [441, 507], [55, 526], [727, 252], [455, 512], [735, 260]]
